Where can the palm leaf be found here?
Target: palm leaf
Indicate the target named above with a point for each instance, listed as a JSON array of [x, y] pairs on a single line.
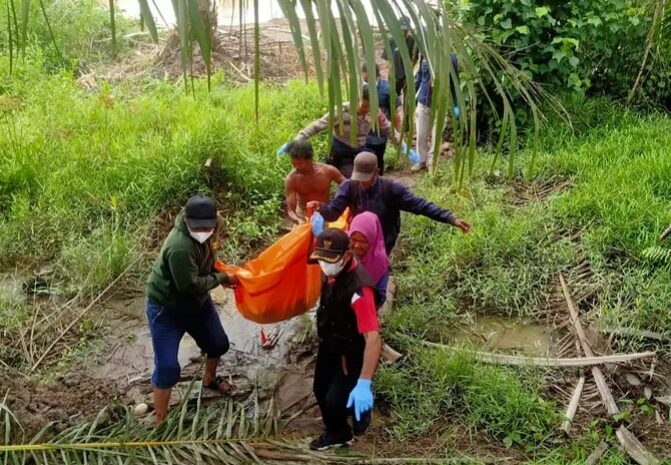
[[10, 38], [25, 11], [148, 19], [112, 25]]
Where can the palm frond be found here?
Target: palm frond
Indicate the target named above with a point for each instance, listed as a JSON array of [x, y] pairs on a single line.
[[341, 36]]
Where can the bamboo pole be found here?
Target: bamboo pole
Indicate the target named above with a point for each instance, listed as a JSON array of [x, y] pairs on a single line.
[[606, 395], [520, 360], [573, 405], [627, 440]]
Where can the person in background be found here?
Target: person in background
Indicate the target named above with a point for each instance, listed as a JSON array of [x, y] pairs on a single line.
[[308, 181], [349, 342], [342, 150], [375, 141], [178, 302], [426, 133], [397, 61], [367, 243], [367, 191]]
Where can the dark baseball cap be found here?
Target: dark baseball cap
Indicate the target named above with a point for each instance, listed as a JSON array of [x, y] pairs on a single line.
[[365, 166], [331, 246], [201, 212], [404, 22]]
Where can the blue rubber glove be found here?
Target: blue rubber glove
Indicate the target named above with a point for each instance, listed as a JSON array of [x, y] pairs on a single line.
[[317, 222], [361, 398], [412, 155], [456, 111], [282, 150]]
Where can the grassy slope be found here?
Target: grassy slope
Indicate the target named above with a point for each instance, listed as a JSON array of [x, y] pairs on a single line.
[[619, 167]]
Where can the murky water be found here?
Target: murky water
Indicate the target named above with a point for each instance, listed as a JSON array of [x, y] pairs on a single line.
[[496, 333]]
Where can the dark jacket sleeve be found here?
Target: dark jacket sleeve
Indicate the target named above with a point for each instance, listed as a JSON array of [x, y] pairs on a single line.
[[409, 202], [331, 211], [184, 271]]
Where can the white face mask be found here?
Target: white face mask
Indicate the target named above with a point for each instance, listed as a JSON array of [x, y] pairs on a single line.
[[201, 237], [331, 269]]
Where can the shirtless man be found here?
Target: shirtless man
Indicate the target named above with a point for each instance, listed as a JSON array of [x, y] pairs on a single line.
[[308, 181]]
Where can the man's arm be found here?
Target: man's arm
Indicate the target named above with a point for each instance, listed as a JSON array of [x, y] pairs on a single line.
[[363, 304], [335, 175], [331, 211], [386, 127], [291, 197], [185, 274], [314, 128], [409, 202]]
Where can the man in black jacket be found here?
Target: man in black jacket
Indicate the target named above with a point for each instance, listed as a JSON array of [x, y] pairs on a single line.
[[367, 191]]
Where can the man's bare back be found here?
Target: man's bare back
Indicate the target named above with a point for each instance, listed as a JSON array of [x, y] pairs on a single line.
[[302, 188]]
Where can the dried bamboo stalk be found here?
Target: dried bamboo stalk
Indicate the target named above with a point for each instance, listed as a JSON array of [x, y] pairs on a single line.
[[606, 395], [596, 455], [503, 359], [627, 440], [573, 405], [634, 447]]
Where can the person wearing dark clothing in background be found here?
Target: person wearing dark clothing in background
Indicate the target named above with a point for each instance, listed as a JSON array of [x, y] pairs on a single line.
[[376, 142]]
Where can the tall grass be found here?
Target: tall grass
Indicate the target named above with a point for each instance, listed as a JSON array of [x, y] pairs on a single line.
[[83, 174], [610, 211]]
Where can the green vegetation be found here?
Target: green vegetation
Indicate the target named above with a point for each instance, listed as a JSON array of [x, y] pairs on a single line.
[[90, 177], [85, 173]]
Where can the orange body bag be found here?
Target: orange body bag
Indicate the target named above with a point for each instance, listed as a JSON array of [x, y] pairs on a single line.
[[279, 284]]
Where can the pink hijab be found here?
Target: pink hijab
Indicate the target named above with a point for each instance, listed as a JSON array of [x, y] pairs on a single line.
[[375, 261]]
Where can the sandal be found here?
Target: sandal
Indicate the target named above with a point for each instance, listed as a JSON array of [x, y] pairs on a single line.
[[223, 386]]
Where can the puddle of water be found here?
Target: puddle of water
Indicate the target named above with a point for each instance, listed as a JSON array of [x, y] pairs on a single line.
[[11, 287], [494, 333]]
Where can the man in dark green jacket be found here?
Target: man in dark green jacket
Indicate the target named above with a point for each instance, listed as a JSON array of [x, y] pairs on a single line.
[[178, 301]]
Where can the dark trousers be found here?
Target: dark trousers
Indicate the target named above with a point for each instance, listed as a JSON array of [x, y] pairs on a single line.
[[332, 388], [378, 150], [167, 327], [342, 157]]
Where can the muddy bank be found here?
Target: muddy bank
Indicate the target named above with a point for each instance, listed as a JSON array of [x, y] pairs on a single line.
[[121, 373]]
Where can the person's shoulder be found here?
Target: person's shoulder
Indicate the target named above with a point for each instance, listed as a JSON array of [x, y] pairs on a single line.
[[383, 86], [291, 177], [393, 185]]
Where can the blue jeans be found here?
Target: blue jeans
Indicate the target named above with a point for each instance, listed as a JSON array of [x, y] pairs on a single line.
[[381, 290], [167, 326]]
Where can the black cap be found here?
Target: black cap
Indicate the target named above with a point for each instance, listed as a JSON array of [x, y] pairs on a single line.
[[405, 24], [331, 246], [201, 212]]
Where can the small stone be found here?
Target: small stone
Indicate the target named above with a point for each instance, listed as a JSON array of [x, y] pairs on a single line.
[[70, 380], [140, 409], [647, 392], [632, 379]]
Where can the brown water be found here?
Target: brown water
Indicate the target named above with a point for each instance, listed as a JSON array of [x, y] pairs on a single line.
[[498, 333]]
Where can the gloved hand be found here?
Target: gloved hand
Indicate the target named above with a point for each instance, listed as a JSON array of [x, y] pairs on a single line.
[[412, 155], [282, 150], [317, 222], [361, 398], [456, 111]]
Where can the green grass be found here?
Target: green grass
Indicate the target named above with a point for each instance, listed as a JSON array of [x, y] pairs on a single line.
[[83, 174], [619, 166]]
